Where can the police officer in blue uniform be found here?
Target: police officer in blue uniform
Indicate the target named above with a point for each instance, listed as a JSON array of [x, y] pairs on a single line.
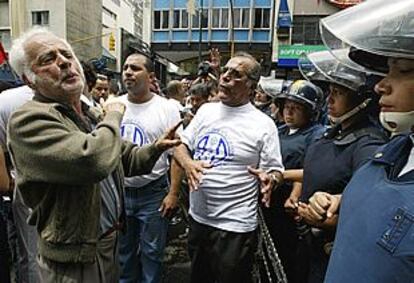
[[267, 91], [331, 161], [375, 233], [300, 106]]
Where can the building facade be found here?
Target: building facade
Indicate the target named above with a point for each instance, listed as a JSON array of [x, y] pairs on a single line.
[[79, 21], [276, 32], [301, 35], [180, 27], [119, 18]]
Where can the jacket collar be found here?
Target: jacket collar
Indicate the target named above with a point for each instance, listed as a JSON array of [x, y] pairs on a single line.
[[397, 148]]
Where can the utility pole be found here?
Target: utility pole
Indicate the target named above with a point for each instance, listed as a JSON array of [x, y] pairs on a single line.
[[200, 37], [231, 29]]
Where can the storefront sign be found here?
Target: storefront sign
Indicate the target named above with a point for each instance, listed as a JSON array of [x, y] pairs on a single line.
[[289, 54], [284, 20]]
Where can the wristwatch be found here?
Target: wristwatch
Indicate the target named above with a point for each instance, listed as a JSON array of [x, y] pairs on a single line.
[[276, 180]]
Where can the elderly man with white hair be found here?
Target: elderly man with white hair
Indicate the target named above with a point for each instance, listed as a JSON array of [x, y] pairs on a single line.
[[70, 164]]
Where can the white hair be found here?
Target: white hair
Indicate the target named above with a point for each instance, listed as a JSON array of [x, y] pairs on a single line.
[[18, 57]]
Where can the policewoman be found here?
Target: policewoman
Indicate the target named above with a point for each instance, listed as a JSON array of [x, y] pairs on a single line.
[[265, 99], [300, 106], [331, 161], [375, 233]]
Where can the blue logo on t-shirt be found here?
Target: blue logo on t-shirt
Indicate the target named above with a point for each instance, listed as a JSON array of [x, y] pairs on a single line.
[[134, 133], [212, 147]]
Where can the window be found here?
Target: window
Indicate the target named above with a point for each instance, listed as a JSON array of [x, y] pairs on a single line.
[[241, 17], [176, 23], [215, 18], [161, 19], [204, 19], [5, 38], [236, 17], [224, 18], [180, 19], [165, 19], [306, 30], [184, 19], [195, 23], [157, 19], [245, 20], [40, 18], [261, 18], [220, 18], [266, 18]]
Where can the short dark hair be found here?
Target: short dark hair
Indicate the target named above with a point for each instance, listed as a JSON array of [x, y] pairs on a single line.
[[173, 88], [148, 62], [200, 89]]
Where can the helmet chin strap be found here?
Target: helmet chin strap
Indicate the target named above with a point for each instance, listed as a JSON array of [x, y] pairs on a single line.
[[349, 114], [397, 122]]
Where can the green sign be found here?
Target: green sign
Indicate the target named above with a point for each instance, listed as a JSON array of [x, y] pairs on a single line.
[[294, 51]]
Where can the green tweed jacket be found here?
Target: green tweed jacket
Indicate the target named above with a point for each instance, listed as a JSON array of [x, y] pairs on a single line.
[[59, 162]]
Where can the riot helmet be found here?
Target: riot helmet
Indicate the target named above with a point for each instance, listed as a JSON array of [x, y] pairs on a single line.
[[339, 70], [372, 31], [304, 92], [270, 86], [323, 66], [375, 32]]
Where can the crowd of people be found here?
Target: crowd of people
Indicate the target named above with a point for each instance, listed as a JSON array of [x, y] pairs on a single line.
[[90, 176]]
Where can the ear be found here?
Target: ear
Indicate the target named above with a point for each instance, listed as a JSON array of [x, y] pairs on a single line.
[[152, 76], [28, 82]]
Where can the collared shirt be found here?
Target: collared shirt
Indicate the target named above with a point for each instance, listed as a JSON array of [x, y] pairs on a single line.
[[110, 203], [111, 207], [410, 162]]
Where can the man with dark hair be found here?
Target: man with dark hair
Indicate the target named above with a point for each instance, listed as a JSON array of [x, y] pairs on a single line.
[[198, 95], [175, 94], [148, 202], [101, 88], [227, 157]]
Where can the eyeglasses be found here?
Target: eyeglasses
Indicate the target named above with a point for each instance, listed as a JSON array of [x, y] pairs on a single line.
[[236, 74], [233, 73]]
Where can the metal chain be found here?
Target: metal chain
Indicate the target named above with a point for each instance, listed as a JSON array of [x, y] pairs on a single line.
[[269, 247]]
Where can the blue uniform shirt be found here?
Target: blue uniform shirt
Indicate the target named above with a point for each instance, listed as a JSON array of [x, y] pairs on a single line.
[[331, 161], [293, 148], [375, 234]]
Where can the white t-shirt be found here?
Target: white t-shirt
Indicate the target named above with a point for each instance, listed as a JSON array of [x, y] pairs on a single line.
[[142, 124], [10, 100], [176, 104], [231, 138]]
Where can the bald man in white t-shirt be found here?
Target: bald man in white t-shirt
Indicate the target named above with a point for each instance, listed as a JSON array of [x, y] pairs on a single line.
[[230, 152]]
